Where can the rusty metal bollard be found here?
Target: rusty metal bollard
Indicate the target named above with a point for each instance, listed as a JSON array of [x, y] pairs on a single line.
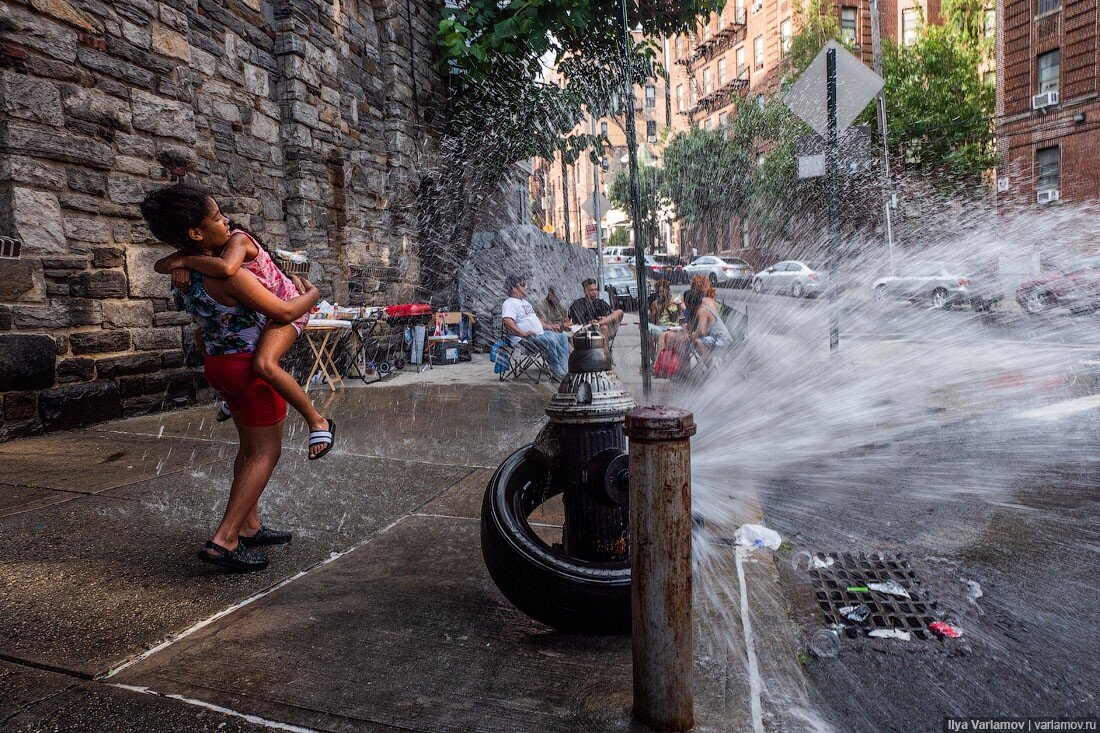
[[660, 551]]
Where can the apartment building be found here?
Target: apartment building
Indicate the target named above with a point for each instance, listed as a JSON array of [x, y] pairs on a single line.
[[1048, 109]]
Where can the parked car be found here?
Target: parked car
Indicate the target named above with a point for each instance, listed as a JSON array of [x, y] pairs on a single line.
[[941, 285], [791, 277], [720, 271], [617, 255], [673, 268], [1076, 287], [621, 283]]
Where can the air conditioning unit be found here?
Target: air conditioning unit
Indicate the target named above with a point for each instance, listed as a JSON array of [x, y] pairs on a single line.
[[1044, 100], [757, 6], [1048, 196]]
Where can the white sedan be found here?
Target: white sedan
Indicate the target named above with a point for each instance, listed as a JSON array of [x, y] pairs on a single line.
[[729, 271], [790, 277]]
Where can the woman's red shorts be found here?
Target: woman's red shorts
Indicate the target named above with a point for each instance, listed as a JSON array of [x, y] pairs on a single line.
[[249, 398]]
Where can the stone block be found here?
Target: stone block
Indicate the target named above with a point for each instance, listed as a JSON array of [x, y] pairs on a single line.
[[254, 149], [124, 189], [20, 405], [85, 229], [118, 68], [99, 342], [137, 35], [162, 116], [30, 98], [170, 43], [256, 80], [16, 279], [95, 106], [135, 166], [77, 405], [26, 361], [127, 313], [19, 169], [86, 181], [172, 318], [109, 256], [144, 282], [172, 18], [65, 11], [157, 339], [118, 366], [57, 314], [81, 369], [100, 284], [203, 62], [36, 219], [41, 34], [61, 145], [226, 111]]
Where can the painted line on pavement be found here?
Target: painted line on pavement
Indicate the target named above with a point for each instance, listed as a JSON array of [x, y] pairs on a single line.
[[1051, 413], [750, 646], [255, 719]]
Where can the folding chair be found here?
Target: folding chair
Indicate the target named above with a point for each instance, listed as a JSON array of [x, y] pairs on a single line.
[[522, 359]]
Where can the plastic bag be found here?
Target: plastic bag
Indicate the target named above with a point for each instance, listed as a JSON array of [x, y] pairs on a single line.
[[755, 535]]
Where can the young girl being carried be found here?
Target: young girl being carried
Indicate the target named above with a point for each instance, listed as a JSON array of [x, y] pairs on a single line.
[[186, 205]]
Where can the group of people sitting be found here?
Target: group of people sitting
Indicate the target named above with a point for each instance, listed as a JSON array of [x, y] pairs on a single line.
[[548, 324], [678, 326]]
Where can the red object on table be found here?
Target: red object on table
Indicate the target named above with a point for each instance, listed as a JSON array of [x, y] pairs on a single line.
[[404, 310]]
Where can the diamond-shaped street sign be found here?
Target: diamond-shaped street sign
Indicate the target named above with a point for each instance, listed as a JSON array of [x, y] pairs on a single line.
[[856, 85], [588, 206]]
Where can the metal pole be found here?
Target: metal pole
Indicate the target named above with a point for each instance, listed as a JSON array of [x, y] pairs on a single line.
[[635, 202], [876, 48], [565, 198], [831, 172], [660, 565], [596, 214]]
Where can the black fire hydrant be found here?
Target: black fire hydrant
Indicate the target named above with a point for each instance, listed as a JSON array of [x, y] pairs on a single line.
[[588, 411]]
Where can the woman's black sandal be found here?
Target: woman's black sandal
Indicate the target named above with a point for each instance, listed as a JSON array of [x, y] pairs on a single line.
[[266, 536], [323, 437], [242, 560]]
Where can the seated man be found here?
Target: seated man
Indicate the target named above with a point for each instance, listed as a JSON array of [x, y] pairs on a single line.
[[520, 322], [591, 309], [551, 311]]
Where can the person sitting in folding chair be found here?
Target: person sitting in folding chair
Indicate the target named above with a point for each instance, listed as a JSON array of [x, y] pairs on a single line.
[[521, 323], [707, 332], [593, 310]]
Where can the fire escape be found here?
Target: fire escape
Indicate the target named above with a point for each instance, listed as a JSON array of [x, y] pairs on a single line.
[[705, 51]]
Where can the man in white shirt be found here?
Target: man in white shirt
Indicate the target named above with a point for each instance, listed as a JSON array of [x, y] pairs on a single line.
[[521, 322]]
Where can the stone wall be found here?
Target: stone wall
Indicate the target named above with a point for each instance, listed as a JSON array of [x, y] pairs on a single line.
[[308, 119], [543, 259]]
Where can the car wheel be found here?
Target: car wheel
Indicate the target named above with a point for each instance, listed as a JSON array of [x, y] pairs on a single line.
[[563, 592], [1036, 302], [797, 291], [758, 286], [713, 280], [881, 295], [939, 298]]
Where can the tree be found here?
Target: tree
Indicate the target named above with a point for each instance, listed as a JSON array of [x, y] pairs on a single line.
[[650, 196]]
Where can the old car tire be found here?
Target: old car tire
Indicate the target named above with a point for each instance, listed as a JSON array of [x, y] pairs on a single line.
[[797, 291], [758, 286], [1036, 302], [939, 298], [568, 594], [713, 280]]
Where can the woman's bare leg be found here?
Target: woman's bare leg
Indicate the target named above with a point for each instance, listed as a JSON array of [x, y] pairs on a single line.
[[275, 341], [256, 458]]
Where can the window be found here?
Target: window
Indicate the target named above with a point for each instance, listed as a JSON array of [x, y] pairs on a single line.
[[760, 101], [679, 97], [739, 56], [911, 22], [706, 124], [651, 130], [990, 78], [1049, 6], [758, 52], [785, 36], [650, 96], [723, 119], [989, 25], [603, 129], [721, 72], [848, 25], [679, 47], [1049, 164], [739, 11], [706, 81], [706, 31], [1049, 65]]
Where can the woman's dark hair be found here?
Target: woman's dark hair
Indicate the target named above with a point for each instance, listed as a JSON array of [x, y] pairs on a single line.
[[692, 299], [171, 211]]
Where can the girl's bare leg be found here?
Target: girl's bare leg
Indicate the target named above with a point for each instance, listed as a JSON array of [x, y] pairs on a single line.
[[275, 341], [256, 458]]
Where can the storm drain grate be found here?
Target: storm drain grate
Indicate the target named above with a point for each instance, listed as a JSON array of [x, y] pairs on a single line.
[[845, 571]]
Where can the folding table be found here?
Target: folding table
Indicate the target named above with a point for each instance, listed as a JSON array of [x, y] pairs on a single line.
[[320, 333]]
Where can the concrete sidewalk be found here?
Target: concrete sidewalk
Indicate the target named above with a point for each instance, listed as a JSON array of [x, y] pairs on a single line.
[[380, 616]]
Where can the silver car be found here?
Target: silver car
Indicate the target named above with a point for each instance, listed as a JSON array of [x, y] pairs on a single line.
[[729, 270], [790, 277], [941, 285]]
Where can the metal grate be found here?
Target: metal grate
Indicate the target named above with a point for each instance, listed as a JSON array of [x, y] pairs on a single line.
[[887, 611]]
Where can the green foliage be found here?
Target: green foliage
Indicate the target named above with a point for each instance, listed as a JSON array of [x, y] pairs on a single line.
[[651, 196], [818, 24], [618, 238]]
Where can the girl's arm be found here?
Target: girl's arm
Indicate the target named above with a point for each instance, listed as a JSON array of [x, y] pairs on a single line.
[[249, 292], [223, 266]]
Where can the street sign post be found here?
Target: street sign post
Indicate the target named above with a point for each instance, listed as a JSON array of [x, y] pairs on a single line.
[[828, 96]]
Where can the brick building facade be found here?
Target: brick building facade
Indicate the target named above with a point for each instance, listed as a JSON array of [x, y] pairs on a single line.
[[304, 117], [1048, 108]]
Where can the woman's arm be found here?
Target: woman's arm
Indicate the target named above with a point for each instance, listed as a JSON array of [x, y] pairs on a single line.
[[223, 266], [166, 264], [249, 292]]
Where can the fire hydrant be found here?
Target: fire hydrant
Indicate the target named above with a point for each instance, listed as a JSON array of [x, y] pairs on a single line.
[[589, 410]]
